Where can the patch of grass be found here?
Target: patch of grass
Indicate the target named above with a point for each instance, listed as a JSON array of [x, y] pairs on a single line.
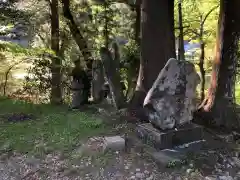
[[237, 93], [55, 128]]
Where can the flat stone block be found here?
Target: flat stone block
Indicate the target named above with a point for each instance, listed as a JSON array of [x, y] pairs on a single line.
[[176, 155], [115, 143], [165, 157], [160, 139]]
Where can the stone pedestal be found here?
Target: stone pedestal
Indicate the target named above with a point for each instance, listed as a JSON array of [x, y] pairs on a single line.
[[160, 139]]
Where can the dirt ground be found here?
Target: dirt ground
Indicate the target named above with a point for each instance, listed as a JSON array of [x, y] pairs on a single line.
[[218, 159]]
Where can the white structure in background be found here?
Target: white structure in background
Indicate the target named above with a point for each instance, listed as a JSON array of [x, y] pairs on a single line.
[[190, 49]]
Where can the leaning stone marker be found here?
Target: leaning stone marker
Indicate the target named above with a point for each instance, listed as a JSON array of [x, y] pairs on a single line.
[[169, 106], [171, 100]]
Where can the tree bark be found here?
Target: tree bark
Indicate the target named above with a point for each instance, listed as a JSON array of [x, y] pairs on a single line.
[[138, 22], [220, 100], [202, 51], [77, 35], [106, 22], [56, 91], [202, 70], [181, 50], [157, 44]]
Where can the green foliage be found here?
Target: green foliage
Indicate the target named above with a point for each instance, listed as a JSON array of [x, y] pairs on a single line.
[[194, 12], [18, 50], [9, 14], [38, 81], [53, 128]]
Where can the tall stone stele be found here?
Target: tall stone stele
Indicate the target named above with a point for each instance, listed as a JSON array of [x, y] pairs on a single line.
[[172, 99]]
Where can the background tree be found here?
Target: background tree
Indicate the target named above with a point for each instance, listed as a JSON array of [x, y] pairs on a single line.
[[220, 100], [56, 90], [157, 44]]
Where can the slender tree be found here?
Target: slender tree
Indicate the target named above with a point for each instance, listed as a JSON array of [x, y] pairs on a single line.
[[200, 35], [181, 50], [56, 92]]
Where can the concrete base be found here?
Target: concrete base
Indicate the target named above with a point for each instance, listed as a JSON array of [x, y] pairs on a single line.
[[170, 138], [167, 156]]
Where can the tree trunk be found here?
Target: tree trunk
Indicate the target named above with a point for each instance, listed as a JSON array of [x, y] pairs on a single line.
[[202, 53], [106, 22], [138, 21], [220, 101], [201, 67], [56, 91], [77, 35], [181, 51], [157, 44]]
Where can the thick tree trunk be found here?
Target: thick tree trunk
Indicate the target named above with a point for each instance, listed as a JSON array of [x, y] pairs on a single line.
[[220, 101], [157, 44], [138, 22], [56, 91]]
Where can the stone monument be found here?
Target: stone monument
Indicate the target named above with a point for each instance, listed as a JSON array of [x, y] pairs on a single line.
[[169, 106]]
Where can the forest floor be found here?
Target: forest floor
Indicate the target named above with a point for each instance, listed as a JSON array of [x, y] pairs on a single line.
[[45, 142]]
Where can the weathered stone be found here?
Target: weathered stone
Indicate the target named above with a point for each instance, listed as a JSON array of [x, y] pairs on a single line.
[[225, 178], [188, 171], [97, 81], [169, 138], [115, 143], [165, 157], [111, 67], [171, 100], [236, 161], [94, 145], [133, 177], [76, 94], [210, 178], [138, 170], [140, 175]]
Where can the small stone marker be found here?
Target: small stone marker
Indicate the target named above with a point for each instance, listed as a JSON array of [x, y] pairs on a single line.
[[115, 143]]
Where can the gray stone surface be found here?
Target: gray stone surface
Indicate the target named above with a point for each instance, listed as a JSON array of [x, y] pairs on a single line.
[[115, 143], [164, 158], [171, 100], [176, 155], [160, 139], [76, 93]]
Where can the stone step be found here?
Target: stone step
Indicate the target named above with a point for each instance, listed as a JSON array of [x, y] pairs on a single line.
[[160, 139]]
